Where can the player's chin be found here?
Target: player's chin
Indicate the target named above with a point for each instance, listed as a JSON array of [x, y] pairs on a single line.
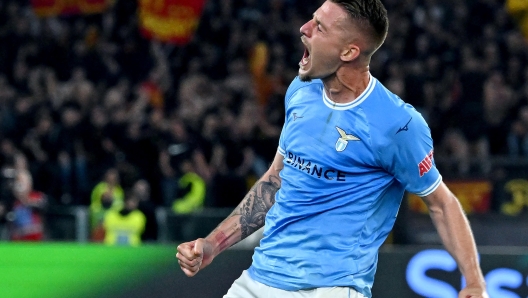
[[304, 76]]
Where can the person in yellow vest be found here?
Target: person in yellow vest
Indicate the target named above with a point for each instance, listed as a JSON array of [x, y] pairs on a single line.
[[124, 227], [106, 195], [193, 188]]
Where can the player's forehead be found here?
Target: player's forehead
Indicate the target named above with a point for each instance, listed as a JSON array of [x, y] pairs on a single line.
[[331, 15]]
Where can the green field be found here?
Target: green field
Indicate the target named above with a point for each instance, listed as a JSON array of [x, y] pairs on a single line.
[[77, 270]]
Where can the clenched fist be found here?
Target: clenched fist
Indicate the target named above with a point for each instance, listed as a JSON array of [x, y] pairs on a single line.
[[195, 255]]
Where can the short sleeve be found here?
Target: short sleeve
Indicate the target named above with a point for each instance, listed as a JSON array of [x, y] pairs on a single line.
[[409, 156]]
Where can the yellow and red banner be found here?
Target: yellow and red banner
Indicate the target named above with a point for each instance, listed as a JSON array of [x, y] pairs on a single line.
[[173, 21], [50, 8], [474, 196]]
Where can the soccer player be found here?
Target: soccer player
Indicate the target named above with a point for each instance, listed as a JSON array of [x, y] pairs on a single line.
[[348, 150]]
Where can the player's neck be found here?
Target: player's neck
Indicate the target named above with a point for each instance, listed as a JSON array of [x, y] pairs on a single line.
[[346, 84]]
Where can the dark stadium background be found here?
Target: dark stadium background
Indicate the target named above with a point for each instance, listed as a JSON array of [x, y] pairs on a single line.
[[157, 89]]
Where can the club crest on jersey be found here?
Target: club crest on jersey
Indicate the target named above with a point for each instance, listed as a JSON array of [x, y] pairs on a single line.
[[342, 142]]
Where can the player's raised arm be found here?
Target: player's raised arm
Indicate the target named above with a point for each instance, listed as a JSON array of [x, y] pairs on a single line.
[[455, 232], [247, 217]]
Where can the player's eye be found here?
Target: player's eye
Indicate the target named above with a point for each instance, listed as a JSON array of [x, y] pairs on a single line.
[[319, 28]]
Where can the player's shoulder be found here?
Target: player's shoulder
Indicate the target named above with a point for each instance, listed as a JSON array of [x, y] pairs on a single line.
[[391, 113], [297, 85]]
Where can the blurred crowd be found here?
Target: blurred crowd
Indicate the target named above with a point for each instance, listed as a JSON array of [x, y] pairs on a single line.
[[89, 109]]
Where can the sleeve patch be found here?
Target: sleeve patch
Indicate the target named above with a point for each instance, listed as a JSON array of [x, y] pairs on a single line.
[[426, 164]]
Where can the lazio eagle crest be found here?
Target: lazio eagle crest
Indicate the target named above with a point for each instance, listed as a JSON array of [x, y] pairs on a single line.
[[342, 142]]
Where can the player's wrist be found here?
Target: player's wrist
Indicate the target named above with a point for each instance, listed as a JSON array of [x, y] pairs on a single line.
[[214, 246], [476, 284]]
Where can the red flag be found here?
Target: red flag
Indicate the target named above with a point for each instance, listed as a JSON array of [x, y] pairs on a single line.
[[47, 8], [172, 21]]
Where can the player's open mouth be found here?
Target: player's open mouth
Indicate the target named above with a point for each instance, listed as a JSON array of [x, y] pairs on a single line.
[[306, 58]]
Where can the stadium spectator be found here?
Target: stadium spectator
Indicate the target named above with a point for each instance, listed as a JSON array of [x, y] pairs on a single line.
[[125, 226], [192, 190], [141, 190], [518, 135], [40, 144], [178, 145], [101, 150], [499, 102], [3, 222], [455, 145], [71, 156], [106, 195], [26, 222]]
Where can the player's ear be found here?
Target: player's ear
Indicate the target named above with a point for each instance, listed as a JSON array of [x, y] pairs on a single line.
[[350, 53]]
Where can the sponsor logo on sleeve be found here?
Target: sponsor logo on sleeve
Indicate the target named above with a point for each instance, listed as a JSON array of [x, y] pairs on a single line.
[[426, 164]]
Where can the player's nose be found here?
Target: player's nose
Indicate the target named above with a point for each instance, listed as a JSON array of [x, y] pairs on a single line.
[[306, 29]]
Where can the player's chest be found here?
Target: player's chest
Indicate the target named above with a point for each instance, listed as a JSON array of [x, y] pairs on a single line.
[[331, 136]]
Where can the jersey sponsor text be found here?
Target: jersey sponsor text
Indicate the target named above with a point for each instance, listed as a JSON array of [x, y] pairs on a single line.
[[313, 169]]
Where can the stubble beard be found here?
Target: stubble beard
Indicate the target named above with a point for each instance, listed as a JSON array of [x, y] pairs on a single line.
[[305, 78]]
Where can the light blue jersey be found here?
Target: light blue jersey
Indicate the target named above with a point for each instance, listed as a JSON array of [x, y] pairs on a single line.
[[346, 167]]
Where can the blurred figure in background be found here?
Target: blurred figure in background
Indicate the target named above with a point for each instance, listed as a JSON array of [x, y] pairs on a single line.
[[7, 157], [3, 226], [125, 226], [178, 145], [192, 190], [26, 222], [518, 134], [72, 156], [40, 145], [456, 146], [106, 195], [141, 190]]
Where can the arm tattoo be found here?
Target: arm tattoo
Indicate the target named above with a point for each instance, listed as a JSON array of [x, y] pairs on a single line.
[[251, 213], [258, 201]]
